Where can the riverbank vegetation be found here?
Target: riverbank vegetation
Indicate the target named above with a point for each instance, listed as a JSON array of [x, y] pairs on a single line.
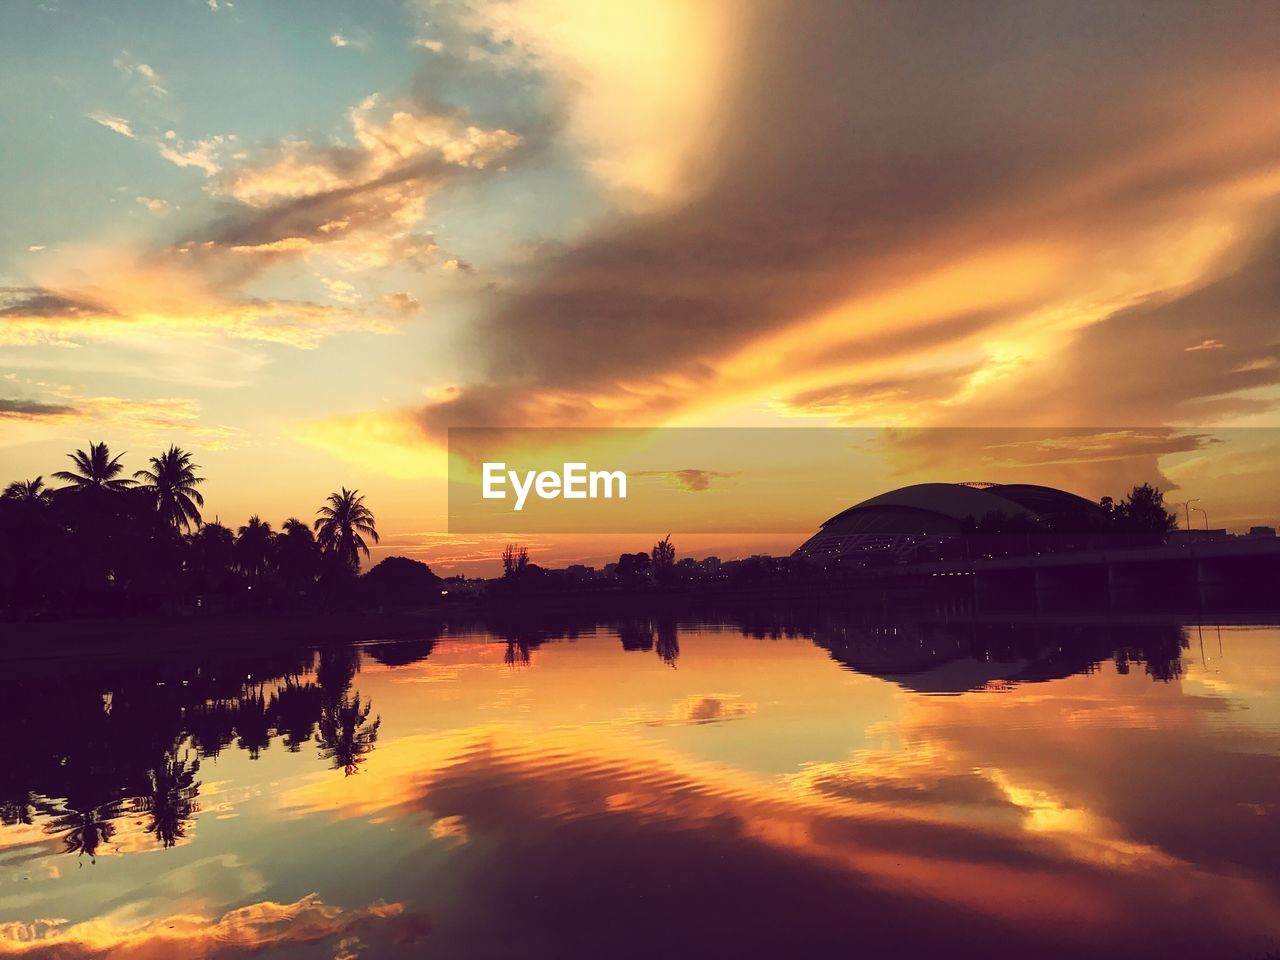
[[99, 542]]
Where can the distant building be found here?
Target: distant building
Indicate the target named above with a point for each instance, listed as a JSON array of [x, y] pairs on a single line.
[[1262, 531], [459, 586], [902, 523], [579, 572], [1184, 537]]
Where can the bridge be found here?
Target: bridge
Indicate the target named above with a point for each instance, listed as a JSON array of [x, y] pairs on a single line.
[[1185, 574]]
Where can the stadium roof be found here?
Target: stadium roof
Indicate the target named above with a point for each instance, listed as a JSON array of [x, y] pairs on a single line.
[[898, 521], [953, 500]]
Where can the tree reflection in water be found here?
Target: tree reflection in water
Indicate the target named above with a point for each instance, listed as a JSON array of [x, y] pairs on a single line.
[[346, 734], [86, 748], [171, 802], [83, 831], [91, 750]]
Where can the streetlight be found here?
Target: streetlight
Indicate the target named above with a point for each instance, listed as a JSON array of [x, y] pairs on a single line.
[[1186, 508], [1206, 516]]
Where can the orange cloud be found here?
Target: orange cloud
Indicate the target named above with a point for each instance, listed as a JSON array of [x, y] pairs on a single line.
[[246, 930]]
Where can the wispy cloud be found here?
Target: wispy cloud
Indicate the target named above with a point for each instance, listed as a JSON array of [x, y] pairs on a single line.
[[251, 929], [358, 41], [1206, 344], [133, 420], [158, 295], [145, 78], [203, 154], [154, 205], [352, 208], [119, 124]]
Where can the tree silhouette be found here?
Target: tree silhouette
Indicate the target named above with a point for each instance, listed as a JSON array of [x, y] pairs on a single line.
[[633, 567], [254, 547], [345, 734], [253, 725], [294, 708], [515, 560], [401, 582], [170, 801], [84, 831], [344, 523], [32, 492], [297, 557], [96, 470], [1143, 512], [338, 667], [18, 810], [172, 481], [668, 645], [664, 560]]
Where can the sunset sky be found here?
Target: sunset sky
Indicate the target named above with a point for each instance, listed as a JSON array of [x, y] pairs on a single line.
[[303, 238]]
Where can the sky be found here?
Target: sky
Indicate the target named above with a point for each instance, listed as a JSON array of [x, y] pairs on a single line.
[[305, 239]]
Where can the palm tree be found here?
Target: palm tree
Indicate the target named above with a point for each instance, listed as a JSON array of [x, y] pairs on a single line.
[[213, 551], [254, 546], [342, 524], [95, 470], [28, 491], [172, 481], [297, 556]]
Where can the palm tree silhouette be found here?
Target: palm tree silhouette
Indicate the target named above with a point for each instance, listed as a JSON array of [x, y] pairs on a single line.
[[28, 491], [95, 470], [346, 734], [84, 831], [20, 810], [170, 801], [172, 481], [297, 556], [253, 725], [254, 546], [341, 525]]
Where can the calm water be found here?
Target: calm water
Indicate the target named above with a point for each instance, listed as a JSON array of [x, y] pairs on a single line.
[[654, 790]]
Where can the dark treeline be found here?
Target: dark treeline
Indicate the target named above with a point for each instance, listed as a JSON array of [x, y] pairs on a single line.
[[105, 544], [1137, 520]]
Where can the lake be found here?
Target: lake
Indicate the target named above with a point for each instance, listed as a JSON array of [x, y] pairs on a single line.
[[759, 785]]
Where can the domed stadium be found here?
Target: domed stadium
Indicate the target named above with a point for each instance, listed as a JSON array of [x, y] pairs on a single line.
[[905, 522]]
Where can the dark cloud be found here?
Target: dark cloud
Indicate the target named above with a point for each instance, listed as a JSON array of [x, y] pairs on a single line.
[[863, 144], [38, 304], [31, 409], [691, 479]]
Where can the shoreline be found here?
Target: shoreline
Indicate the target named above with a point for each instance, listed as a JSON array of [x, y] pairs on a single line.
[[558, 613]]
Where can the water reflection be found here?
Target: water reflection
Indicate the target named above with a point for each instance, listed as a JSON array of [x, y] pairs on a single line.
[[90, 752], [796, 786]]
